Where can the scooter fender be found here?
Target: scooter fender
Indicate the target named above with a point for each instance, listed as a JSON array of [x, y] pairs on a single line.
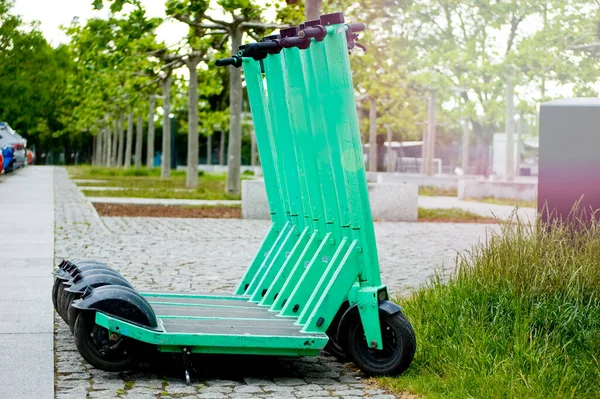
[[96, 280], [90, 272], [118, 301], [386, 307]]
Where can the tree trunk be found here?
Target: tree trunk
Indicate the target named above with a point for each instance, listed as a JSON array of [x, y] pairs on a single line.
[[129, 143], [234, 153], [115, 142], [165, 166], [390, 151], [108, 143], [150, 144], [509, 171], [209, 149], [424, 147], [139, 139], [252, 148], [465, 146], [94, 151], [121, 139], [99, 148], [429, 169], [312, 9], [192, 155], [372, 135], [222, 149]]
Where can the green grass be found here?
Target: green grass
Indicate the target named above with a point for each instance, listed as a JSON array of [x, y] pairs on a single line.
[[144, 183], [451, 214], [432, 191], [507, 201], [520, 318]]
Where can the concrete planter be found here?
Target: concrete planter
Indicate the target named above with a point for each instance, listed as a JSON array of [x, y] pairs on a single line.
[[389, 202]]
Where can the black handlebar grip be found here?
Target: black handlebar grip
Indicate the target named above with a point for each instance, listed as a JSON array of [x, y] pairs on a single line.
[[262, 46], [316, 31], [357, 27], [235, 61]]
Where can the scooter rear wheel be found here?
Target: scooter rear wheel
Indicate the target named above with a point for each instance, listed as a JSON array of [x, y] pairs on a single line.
[[101, 348], [399, 345]]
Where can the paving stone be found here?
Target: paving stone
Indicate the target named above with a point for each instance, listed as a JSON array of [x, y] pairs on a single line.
[[209, 255], [289, 381]]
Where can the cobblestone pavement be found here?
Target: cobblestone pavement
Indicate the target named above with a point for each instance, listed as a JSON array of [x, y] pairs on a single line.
[[207, 255]]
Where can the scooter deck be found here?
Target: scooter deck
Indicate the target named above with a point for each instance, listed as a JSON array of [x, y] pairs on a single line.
[[218, 324]]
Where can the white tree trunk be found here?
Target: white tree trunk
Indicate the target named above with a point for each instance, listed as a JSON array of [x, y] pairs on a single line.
[[121, 140], [108, 143], [129, 143], [509, 171], [372, 135], [94, 150], [424, 148], [192, 155], [165, 166], [252, 148], [139, 140], [312, 9], [429, 169], [390, 151], [150, 144], [99, 148], [234, 153], [465, 146], [115, 142], [222, 149], [209, 149]]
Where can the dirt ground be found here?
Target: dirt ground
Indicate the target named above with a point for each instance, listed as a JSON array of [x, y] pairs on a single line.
[[168, 211]]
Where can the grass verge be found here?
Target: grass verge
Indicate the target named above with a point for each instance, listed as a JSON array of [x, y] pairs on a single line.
[[506, 201], [451, 215], [519, 319], [438, 191], [146, 183], [126, 210]]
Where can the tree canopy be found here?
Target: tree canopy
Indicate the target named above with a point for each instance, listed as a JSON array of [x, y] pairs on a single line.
[[466, 52]]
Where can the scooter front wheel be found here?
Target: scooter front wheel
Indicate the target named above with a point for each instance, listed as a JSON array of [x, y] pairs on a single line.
[[399, 345]]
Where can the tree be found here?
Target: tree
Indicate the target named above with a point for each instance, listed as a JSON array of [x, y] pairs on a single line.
[[201, 39], [244, 16]]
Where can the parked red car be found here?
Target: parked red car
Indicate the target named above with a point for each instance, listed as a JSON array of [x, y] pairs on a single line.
[[1, 163]]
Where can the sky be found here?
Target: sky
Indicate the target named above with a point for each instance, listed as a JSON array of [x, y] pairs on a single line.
[[53, 13]]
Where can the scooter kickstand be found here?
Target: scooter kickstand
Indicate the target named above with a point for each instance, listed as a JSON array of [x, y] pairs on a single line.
[[186, 365]]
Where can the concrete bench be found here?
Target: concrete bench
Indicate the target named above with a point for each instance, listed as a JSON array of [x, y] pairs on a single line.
[[389, 202], [446, 181]]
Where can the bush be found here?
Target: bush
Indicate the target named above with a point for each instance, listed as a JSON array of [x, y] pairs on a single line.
[[519, 318]]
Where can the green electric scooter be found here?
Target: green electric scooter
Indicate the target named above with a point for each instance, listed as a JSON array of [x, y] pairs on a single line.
[[314, 283]]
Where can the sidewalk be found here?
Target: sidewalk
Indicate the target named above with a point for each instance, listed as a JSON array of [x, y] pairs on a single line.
[[26, 262]]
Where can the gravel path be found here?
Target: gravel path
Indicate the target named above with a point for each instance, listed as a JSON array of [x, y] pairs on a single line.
[[211, 255]]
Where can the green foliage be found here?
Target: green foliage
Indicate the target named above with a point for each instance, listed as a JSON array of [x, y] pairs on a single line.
[[33, 77], [518, 319]]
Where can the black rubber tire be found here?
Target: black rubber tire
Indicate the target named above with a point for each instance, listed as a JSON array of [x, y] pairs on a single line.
[[60, 291], [334, 347], [55, 292], [335, 350], [88, 334], [65, 304], [399, 346]]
